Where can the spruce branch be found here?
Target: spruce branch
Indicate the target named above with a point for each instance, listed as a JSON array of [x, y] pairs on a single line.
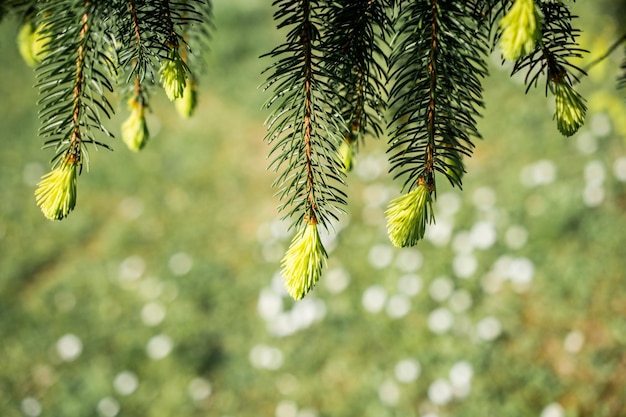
[[139, 41], [352, 42], [553, 51], [436, 69], [551, 58], [303, 127], [73, 80], [305, 133], [72, 83]]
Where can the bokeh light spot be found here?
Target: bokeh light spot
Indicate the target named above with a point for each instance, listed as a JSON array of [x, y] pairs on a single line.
[[69, 347], [410, 284], [180, 263], [31, 407], [389, 393], [108, 407], [125, 383], [574, 341], [159, 346], [199, 389], [336, 280], [489, 328], [440, 392], [380, 256], [374, 298], [266, 357], [440, 320], [407, 370], [553, 410], [398, 306]]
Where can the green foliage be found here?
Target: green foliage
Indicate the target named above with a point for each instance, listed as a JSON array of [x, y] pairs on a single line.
[[339, 68], [87, 49], [176, 248]]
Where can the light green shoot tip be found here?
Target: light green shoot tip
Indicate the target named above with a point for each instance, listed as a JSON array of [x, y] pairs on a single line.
[[408, 215], [56, 192], [303, 263], [172, 73], [186, 104], [31, 43], [134, 129], [520, 30], [346, 153], [570, 108]]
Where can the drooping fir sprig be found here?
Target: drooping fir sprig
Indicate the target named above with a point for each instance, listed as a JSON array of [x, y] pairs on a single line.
[[183, 21], [353, 40], [82, 51], [140, 39], [436, 69], [554, 46], [304, 129], [72, 78]]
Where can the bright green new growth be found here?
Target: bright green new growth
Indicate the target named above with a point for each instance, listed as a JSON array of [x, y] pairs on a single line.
[[520, 30], [173, 77], [346, 153], [135, 130], [31, 43], [303, 263], [342, 67], [570, 108], [56, 192], [408, 215], [186, 104]]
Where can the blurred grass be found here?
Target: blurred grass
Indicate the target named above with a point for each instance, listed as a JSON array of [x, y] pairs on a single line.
[[188, 228]]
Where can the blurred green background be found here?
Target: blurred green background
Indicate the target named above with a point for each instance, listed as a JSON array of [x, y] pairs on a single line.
[[160, 294]]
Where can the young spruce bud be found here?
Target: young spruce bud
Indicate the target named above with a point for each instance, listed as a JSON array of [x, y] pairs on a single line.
[[303, 262], [56, 192], [408, 215], [520, 30], [134, 129]]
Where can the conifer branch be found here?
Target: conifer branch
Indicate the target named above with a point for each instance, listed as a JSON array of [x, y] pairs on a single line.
[[355, 31], [551, 58], [71, 102], [303, 127], [428, 175], [436, 68]]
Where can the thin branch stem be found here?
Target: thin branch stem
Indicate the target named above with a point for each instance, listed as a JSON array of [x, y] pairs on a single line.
[[305, 38], [608, 52], [432, 114], [75, 138]]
